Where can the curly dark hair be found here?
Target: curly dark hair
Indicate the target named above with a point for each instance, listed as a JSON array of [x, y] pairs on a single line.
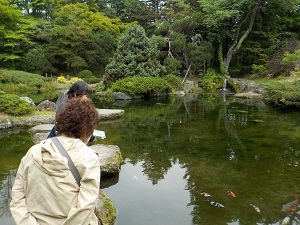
[[77, 118]]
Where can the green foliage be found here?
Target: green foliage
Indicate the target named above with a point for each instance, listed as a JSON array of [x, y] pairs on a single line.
[[85, 74], [5, 76], [135, 56], [291, 58], [285, 94], [141, 85], [36, 61], [174, 81], [210, 79], [260, 69], [88, 76], [12, 104], [21, 77], [172, 65]]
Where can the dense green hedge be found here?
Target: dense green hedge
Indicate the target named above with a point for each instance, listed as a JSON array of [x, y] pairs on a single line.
[[141, 85], [21, 77], [284, 94], [174, 81], [88, 76], [12, 104]]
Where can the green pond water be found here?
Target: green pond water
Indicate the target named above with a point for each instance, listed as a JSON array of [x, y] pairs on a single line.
[[174, 148]]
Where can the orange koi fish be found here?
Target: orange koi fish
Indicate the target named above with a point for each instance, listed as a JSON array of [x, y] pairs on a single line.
[[230, 193], [291, 206]]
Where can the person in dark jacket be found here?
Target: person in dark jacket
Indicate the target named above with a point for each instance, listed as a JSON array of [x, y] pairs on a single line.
[[78, 89]]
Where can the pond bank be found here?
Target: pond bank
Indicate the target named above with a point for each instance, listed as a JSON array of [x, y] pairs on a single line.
[[7, 122]]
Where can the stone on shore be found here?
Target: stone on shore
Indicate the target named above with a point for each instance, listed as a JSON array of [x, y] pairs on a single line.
[[106, 210], [110, 158], [105, 115], [109, 155]]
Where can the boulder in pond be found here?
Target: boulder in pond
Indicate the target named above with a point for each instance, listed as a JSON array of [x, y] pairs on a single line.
[[110, 158], [47, 105], [109, 155], [106, 210]]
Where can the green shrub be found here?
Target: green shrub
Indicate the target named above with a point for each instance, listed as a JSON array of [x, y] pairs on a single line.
[[92, 80], [88, 76], [141, 85], [100, 86], [21, 77], [283, 93], [260, 69], [210, 79], [5, 77], [85, 73], [12, 104], [174, 81]]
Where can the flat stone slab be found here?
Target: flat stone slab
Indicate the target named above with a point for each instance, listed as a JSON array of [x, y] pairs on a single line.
[[248, 95], [105, 115], [109, 155], [110, 158]]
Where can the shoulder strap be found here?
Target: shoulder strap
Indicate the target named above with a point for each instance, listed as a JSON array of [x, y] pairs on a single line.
[[70, 162]]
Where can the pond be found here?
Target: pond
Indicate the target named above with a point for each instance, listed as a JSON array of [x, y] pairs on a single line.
[[175, 148]]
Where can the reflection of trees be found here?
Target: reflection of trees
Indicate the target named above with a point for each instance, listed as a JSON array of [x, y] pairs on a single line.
[[5, 192], [230, 118], [197, 133]]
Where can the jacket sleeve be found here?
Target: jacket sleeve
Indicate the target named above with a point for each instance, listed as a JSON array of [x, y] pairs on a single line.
[[83, 212], [18, 205]]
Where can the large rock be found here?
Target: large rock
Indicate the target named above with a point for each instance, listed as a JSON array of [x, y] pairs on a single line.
[[105, 114], [108, 114], [5, 123], [106, 210], [109, 155], [32, 121], [47, 105], [27, 99], [110, 158]]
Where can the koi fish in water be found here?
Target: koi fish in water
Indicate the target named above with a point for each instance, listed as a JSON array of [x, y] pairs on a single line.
[[230, 193], [216, 204], [255, 208], [291, 206], [286, 220], [204, 194]]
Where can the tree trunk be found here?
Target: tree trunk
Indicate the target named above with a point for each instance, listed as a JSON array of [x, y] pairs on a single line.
[[238, 41]]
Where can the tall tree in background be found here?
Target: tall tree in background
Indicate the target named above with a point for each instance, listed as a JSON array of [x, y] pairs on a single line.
[[136, 55], [13, 34], [81, 39], [229, 22]]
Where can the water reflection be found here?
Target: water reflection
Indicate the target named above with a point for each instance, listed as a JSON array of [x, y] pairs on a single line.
[[142, 202], [174, 148]]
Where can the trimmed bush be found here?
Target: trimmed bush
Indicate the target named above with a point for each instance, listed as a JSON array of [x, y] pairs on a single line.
[[21, 77], [141, 85], [85, 73], [12, 104], [61, 79], [74, 79], [174, 81]]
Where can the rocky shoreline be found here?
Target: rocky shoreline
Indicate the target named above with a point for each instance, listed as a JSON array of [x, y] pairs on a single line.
[[8, 122]]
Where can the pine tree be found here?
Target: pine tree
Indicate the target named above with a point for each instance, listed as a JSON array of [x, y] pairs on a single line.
[[136, 55]]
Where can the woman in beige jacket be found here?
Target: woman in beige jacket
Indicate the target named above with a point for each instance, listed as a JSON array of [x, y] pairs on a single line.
[[45, 191]]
